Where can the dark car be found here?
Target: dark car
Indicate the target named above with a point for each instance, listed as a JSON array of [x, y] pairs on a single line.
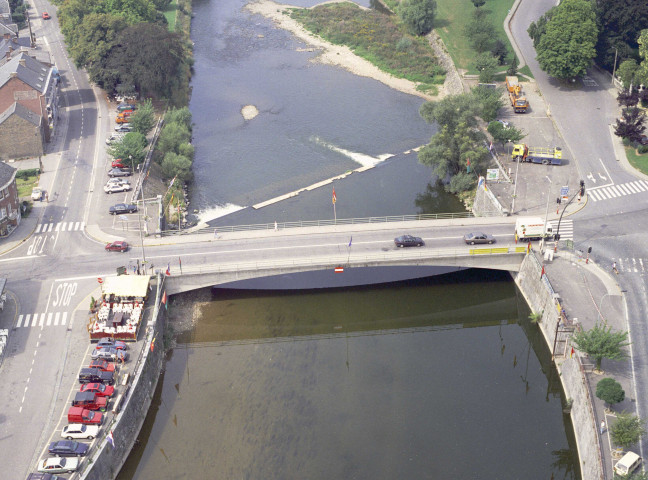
[[44, 476], [94, 375], [109, 342], [99, 388], [110, 353], [408, 241], [68, 448], [122, 208], [644, 140], [118, 246], [119, 172], [125, 106], [90, 401], [478, 237]]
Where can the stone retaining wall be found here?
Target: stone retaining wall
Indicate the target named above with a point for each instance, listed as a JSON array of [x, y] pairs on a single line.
[[540, 296], [107, 460]]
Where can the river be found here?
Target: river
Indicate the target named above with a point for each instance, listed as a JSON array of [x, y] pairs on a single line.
[[435, 378]]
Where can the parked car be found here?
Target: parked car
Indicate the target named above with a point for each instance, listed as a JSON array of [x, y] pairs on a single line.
[[68, 448], [110, 353], [124, 128], [116, 187], [80, 431], [85, 416], [109, 342], [120, 208], [120, 172], [43, 476], [408, 241], [99, 388], [58, 465], [123, 118], [504, 123], [94, 375], [46, 16], [117, 181], [118, 246], [644, 140], [114, 138], [90, 400], [118, 163], [125, 106], [478, 237], [37, 194]]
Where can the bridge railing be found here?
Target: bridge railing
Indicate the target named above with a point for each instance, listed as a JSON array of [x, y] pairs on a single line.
[[350, 260], [320, 223]]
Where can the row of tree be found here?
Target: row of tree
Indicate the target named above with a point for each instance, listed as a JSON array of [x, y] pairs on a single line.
[[125, 46]]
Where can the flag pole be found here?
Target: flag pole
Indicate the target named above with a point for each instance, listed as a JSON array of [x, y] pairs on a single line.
[[334, 200]]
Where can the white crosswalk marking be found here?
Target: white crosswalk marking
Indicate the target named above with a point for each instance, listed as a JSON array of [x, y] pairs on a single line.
[[613, 191], [50, 319], [59, 227], [566, 228]]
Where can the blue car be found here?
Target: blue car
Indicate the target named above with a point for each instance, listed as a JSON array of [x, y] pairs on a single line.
[[68, 448]]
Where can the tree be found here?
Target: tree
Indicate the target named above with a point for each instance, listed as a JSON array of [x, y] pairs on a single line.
[[600, 342], [513, 67], [641, 76], [627, 430], [487, 65], [478, 3], [610, 391], [179, 115], [537, 29], [172, 135], [132, 146], [566, 49], [93, 38], [626, 72], [628, 98], [620, 23], [175, 165], [457, 141], [503, 134], [480, 31], [488, 102], [418, 15], [499, 51], [143, 119], [630, 125]]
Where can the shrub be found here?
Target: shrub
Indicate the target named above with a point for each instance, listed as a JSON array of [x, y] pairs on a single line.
[[418, 15], [30, 172], [643, 149]]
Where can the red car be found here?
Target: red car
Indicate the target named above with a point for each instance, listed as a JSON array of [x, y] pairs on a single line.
[[84, 416], [118, 164], [99, 388], [102, 365], [46, 16], [119, 246]]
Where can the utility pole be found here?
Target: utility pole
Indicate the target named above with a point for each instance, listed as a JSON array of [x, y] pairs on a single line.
[[581, 192]]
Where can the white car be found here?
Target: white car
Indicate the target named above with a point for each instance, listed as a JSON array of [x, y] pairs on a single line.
[[117, 181], [37, 193], [59, 465], [117, 187], [76, 431], [115, 137]]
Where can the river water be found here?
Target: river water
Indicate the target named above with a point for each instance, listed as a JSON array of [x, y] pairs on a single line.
[[435, 378]]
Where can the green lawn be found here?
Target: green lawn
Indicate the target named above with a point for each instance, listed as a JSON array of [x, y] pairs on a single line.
[[26, 185], [451, 21], [638, 161], [170, 14]]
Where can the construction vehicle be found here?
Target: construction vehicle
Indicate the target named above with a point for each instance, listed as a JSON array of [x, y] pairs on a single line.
[[532, 228], [546, 156], [518, 102]]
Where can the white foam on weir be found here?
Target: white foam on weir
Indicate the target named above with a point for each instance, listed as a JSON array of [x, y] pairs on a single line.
[[361, 158], [218, 211]]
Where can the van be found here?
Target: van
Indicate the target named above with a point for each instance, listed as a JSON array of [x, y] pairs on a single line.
[[628, 463]]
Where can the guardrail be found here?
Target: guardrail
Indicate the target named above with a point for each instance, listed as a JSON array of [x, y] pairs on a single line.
[[321, 223]]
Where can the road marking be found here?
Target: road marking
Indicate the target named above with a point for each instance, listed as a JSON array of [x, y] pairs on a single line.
[[50, 319], [615, 191]]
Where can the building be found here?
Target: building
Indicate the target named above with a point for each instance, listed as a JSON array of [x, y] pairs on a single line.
[[9, 202], [28, 88]]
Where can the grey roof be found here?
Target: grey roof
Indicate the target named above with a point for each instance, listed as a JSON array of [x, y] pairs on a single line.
[[33, 73], [7, 26], [22, 112], [15, 43], [7, 173]]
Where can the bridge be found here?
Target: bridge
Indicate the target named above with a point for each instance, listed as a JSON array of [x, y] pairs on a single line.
[[254, 254]]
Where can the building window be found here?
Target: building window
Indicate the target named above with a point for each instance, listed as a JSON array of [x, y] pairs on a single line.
[[3, 213]]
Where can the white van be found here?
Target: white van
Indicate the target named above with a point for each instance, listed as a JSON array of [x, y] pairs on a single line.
[[628, 463]]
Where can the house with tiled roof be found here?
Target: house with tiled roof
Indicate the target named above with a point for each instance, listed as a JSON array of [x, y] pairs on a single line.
[[33, 86], [10, 215]]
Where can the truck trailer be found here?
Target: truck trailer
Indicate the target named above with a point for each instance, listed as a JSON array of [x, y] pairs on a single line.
[[546, 156], [532, 228], [518, 102]]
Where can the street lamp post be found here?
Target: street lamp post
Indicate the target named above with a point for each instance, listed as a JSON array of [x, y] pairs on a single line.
[[581, 192], [517, 168], [544, 233]]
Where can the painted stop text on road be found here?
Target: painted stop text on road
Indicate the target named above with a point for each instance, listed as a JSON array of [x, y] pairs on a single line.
[[64, 293]]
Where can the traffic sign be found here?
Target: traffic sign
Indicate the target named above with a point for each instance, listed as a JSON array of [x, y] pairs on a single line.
[[100, 280]]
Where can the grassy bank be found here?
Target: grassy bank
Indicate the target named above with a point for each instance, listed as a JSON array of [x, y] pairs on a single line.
[[637, 160], [379, 38]]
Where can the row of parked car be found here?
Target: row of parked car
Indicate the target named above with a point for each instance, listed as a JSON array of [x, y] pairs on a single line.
[[86, 414]]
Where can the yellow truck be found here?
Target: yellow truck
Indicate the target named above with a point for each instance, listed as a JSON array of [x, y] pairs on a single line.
[[518, 102], [545, 156]]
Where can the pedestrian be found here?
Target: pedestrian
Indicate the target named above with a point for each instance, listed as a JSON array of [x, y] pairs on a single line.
[[275, 225], [215, 233], [602, 427], [47, 197], [614, 268]]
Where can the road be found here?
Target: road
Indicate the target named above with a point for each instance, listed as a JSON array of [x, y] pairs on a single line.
[[52, 275]]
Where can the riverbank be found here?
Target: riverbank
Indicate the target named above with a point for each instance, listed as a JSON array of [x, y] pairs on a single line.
[[336, 55]]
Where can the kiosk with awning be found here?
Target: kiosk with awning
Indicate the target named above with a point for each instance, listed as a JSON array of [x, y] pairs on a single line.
[[121, 308]]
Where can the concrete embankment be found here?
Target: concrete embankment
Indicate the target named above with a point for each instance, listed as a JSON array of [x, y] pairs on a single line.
[[108, 459]]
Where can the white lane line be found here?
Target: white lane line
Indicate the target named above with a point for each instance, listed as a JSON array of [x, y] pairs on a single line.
[[20, 318], [49, 319], [56, 318], [64, 318]]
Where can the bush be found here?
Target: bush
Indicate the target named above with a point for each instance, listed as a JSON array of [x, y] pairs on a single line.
[[403, 44], [643, 149], [30, 172], [610, 391], [418, 15]]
